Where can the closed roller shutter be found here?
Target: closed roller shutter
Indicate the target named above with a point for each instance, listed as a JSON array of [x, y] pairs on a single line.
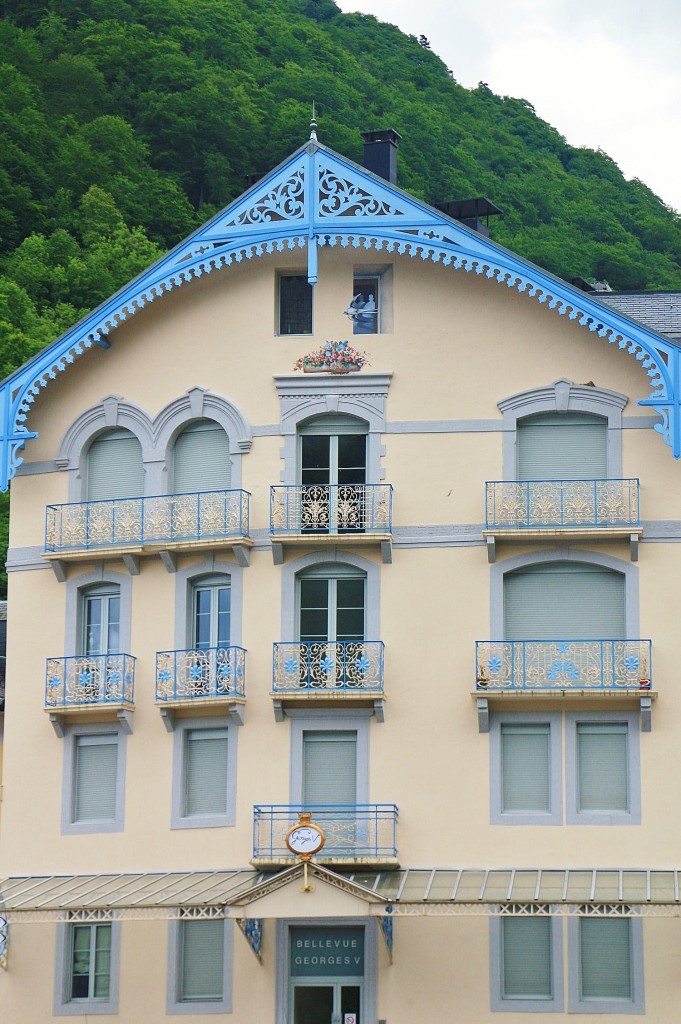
[[114, 467], [564, 601], [330, 767], [201, 459], [562, 446]]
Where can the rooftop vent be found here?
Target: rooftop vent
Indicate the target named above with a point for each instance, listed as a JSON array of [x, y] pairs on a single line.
[[380, 153], [473, 213]]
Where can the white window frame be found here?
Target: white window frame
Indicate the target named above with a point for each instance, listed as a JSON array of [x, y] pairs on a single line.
[[555, 814], [500, 1002], [102, 591], [576, 1004], [115, 824], [78, 588], [178, 818], [63, 1004], [577, 817], [213, 583], [174, 1003]]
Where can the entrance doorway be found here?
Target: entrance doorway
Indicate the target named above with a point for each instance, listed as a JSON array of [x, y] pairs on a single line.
[[326, 975], [337, 1002]]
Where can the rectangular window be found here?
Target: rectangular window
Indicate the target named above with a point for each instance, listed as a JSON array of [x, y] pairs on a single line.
[[526, 964], [295, 304], [94, 779], [602, 769], [204, 773], [364, 310], [199, 966], [526, 770], [606, 965], [86, 976]]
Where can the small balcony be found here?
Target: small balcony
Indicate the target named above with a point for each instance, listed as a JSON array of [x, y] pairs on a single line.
[[542, 509], [328, 672], [212, 679], [356, 834], [165, 524], [564, 668], [97, 686], [345, 514]]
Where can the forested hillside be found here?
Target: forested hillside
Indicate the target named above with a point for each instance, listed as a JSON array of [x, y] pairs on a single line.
[[125, 124]]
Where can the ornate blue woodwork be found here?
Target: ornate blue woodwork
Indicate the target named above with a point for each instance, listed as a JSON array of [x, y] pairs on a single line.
[[386, 924], [318, 198], [252, 928]]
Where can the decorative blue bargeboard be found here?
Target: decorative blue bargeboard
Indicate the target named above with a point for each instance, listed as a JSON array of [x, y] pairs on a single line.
[[157, 520], [199, 674], [589, 504], [331, 508], [563, 664], [338, 666], [318, 198], [351, 830], [90, 680]]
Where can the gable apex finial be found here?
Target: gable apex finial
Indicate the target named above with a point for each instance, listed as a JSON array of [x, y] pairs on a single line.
[[313, 126]]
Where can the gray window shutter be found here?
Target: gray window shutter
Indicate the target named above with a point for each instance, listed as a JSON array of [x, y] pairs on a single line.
[[564, 601], [525, 767], [201, 459], [202, 959], [605, 958], [562, 446], [206, 771], [95, 778], [334, 425], [330, 767], [526, 946], [602, 766], [114, 467]]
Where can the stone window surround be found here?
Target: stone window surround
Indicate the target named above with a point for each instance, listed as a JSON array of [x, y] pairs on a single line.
[[63, 1005], [71, 732], [180, 728], [175, 1006]]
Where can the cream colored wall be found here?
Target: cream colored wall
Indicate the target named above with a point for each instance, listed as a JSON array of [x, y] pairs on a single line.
[[461, 344]]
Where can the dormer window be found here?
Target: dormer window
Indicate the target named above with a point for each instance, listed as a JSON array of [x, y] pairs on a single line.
[[295, 304], [364, 310]]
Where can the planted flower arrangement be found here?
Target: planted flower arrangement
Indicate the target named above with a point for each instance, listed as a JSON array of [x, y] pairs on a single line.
[[334, 357]]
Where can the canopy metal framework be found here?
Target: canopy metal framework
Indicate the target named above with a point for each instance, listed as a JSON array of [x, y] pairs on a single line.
[[314, 199]]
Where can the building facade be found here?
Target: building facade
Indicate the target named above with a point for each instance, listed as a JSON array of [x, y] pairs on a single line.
[[410, 589]]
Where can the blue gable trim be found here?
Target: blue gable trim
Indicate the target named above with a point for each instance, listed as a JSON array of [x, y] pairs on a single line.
[[318, 198]]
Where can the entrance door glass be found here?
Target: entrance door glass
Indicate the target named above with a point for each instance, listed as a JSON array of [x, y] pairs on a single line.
[[313, 1004]]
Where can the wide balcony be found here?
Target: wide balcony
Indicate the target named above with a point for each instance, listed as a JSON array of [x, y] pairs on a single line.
[[328, 672], [163, 524], [213, 679], [560, 668], [90, 685], [356, 834], [349, 514], [537, 509]]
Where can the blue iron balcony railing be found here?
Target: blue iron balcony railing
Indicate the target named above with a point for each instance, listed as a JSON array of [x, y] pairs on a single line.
[[608, 665], [165, 519], [331, 509], [354, 831], [575, 504], [340, 667], [217, 672], [90, 680]]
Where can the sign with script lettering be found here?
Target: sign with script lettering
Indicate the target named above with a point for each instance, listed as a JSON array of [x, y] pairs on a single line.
[[327, 952]]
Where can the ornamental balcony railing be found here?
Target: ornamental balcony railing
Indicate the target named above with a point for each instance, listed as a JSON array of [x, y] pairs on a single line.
[[575, 504], [91, 680], [605, 665], [335, 509], [214, 673], [364, 832], [341, 667], [167, 519]]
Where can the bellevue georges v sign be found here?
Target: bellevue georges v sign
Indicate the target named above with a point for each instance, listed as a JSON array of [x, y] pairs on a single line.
[[327, 952]]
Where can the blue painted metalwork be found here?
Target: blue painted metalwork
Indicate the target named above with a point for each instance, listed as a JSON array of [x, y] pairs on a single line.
[[215, 672], [161, 519], [563, 665], [355, 831], [252, 929], [90, 680], [386, 924], [317, 198], [337, 666], [589, 504], [331, 509], [4, 940]]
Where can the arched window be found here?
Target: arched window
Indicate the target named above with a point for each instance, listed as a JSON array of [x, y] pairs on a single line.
[[114, 466], [332, 450], [201, 459], [101, 620], [564, 600], [562, 446], [211, 613], [331, 603]]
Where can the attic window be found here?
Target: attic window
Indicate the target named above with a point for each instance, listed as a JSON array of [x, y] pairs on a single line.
[[295, 304], [364, 310]]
